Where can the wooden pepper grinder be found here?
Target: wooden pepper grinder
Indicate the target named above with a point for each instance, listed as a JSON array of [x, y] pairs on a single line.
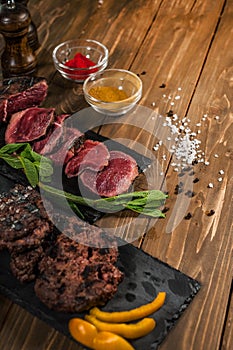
[[32, 31], [18, 57]]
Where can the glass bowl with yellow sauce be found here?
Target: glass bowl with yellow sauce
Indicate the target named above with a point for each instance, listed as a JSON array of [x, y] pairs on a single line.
[[113, 92]]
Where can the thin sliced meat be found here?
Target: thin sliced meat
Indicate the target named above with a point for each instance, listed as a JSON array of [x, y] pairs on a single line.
[[49, 143], [29, 124], [92, 155], [19, 93], [71, 137], [115, 178]]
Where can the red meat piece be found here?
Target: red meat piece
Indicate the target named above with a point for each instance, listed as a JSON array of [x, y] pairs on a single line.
[[29, 124], [115, 178], [93, 155]]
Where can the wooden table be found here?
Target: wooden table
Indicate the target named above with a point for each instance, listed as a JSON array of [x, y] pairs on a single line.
[[179, 48]]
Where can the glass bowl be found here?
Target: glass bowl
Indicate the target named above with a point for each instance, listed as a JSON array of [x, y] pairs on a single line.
[[90, 56], [113, 91]]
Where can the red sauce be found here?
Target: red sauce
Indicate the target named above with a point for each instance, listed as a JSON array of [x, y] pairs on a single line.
[[81, 61]]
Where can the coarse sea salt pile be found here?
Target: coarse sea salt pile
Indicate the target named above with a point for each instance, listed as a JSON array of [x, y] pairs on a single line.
[[186, 145]]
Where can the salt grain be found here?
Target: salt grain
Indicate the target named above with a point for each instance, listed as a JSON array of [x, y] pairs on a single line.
[[220, 179], [185, 144], [216, 156], [210, 185], [217, 117], [221, 172]]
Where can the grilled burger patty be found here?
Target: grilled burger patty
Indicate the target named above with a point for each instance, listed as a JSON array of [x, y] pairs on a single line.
[[70, 274]]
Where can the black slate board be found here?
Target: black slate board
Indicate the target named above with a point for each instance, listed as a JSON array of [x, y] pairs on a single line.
[[145, 276]]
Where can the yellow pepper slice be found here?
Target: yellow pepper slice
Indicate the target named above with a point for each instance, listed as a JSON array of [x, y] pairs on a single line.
[[110, 341], [131, 315], [130, 331], [82, 331]]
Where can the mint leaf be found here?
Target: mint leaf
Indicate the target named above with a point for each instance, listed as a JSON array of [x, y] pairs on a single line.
[[30, 171], [12, 147], [14, 162]]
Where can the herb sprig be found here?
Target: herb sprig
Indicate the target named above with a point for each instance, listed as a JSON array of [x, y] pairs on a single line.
[[38, 169], [21, 156]]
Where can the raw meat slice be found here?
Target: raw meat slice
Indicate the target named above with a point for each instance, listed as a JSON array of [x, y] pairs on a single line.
[[115, 178], [48, 144], [92, 155], [3, 109], [70, 137], [29, 124], [18, 93]]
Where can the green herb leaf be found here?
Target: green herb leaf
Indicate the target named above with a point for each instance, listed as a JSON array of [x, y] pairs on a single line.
[[14, 162], [12, 147], [30, 171]]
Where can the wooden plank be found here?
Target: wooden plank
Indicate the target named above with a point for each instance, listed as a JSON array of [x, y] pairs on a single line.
[[202, 247], [199, 237], [167, 38], [5, 305], [227, 342], [23, 331], [113, 24]]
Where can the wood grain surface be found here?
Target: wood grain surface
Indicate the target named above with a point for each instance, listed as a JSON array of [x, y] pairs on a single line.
[[178, 48]]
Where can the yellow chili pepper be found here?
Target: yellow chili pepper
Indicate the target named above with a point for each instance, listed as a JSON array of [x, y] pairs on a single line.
[[131, 315], [82, 331], [110, 341], [130, 331]]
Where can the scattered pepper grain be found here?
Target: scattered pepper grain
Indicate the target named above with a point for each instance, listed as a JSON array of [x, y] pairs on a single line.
[[210, 212], [188, 216]]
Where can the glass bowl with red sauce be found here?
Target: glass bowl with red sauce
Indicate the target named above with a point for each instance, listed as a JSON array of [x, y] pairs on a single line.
[[77, 59]]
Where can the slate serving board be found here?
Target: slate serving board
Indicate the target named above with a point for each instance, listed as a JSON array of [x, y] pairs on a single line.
[[145, 276]]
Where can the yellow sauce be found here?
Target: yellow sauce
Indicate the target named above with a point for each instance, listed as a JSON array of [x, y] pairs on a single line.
[[108, 93]]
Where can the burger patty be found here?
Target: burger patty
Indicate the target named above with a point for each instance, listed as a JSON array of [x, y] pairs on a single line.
[[74, 277], [73, 270]]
